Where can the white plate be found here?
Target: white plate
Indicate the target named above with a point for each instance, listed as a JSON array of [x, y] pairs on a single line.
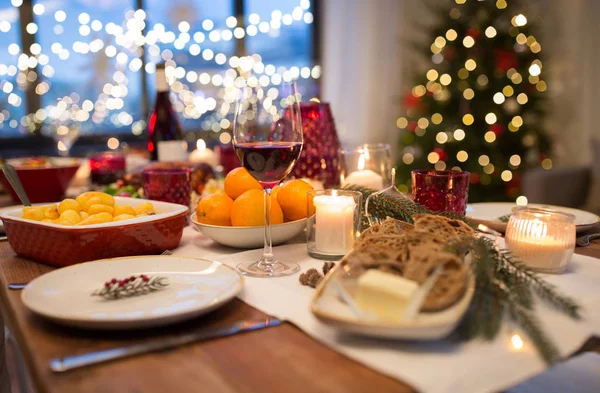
[[331, 310], [196, 287], [250, 237], [487, 213]]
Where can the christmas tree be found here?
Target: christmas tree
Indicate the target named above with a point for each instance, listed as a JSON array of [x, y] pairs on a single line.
[[479, 106]]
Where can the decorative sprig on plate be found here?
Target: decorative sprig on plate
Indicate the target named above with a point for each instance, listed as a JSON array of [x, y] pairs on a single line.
[[131, 286], [504, 218], [504, 285]]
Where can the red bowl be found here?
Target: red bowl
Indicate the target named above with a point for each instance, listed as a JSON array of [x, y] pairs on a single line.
[[46, 183], [63, 246]]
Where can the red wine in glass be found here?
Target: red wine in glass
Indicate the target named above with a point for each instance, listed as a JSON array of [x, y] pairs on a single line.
[[268, 162]]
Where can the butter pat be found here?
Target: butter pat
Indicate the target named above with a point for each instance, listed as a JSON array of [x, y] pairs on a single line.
[[385, 295]]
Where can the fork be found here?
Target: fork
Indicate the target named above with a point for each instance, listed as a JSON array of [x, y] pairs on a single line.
[[21, 285]]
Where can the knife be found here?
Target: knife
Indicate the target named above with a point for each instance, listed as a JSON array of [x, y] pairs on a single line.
[[67, 363]]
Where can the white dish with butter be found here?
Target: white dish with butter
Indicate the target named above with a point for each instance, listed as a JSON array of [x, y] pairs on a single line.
[[330, 309]]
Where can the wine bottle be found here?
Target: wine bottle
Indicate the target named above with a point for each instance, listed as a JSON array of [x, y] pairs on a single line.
[[165, 137]]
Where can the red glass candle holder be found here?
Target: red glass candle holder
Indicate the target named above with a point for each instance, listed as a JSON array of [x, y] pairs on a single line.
[[168, 184], [320, 157], [106, 168], [441, 191]]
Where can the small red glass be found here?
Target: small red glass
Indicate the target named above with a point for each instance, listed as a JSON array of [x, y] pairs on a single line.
[[168, 184], [106, 168], [441, 191]]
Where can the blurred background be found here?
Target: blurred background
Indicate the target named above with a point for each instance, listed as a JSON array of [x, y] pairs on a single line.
[[501, 88]]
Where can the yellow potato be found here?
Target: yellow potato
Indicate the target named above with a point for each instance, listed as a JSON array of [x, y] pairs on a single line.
[[145, 207], [95, 209], [69, 204], [123, 210], [36, 214], [83, 215], [122, 217], [67, 223], [98, 200], [52, 213], [99, 218], [86, 196], [48, 220], [70, 215]]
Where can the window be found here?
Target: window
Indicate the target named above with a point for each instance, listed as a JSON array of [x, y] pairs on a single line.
[[88, 65], [12, 98]]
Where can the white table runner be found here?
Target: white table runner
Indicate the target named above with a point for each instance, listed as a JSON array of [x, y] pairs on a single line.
[[475, 366]]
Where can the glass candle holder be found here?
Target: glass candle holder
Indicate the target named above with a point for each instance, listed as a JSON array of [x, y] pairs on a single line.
[[368, 165], [333, 222], [168, 184], [441, 191], [543, 239], [106, 168]]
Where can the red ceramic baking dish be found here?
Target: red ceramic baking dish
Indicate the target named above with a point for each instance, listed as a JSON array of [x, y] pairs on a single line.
[[44, 179], [60, 246]]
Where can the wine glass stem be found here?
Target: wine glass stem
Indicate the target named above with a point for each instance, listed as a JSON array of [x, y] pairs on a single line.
[[268, 250]]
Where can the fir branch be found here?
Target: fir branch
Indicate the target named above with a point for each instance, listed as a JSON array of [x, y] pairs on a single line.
[[531, 326], [504, 218], [382, 206]]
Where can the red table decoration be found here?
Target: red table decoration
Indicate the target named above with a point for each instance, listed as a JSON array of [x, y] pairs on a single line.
[[320, 157]]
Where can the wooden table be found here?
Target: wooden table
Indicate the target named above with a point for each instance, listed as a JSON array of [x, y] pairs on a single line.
[[277, 359]]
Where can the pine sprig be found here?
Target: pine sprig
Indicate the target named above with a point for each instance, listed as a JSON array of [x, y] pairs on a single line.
[[384, 205]]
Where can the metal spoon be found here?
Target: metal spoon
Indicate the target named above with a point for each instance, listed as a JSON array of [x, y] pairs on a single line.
[[15, 182], [584, 240]]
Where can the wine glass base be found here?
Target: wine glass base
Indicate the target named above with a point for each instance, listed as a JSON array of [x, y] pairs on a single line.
[[262, 269]]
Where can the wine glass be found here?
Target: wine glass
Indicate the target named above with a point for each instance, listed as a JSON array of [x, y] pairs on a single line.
[[267, 138]]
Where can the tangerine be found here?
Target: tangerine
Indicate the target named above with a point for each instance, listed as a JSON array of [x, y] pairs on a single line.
[[293, 199], [215, 210], [248, 210], [238, 181]]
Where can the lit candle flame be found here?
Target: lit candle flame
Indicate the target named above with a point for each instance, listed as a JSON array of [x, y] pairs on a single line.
[[516, 341], [483, 228], [201, 145], [361, 162]]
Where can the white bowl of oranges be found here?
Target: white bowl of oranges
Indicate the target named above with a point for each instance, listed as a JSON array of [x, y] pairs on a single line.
[[235, 217]]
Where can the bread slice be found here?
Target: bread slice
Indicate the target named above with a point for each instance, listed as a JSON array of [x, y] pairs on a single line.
[[391, 226], [449, 287], [376, 257], [387, 242], [434, 225]]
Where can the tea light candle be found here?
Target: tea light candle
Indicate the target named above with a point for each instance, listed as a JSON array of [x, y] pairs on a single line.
[[543, 239], [334, 233], [204, 154], [364, 177]]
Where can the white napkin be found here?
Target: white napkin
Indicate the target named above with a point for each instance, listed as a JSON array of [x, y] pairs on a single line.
[[475, 366]]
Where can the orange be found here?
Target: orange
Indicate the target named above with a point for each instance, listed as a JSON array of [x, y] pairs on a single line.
[[293, 199], [238, 181], [248, 210], [215, 210]]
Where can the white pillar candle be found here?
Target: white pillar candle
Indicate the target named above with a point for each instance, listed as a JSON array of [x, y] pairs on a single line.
[[204, 154], [334, 232], [364, 177]]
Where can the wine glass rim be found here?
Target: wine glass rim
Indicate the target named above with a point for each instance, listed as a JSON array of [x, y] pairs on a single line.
[[440, 173]]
